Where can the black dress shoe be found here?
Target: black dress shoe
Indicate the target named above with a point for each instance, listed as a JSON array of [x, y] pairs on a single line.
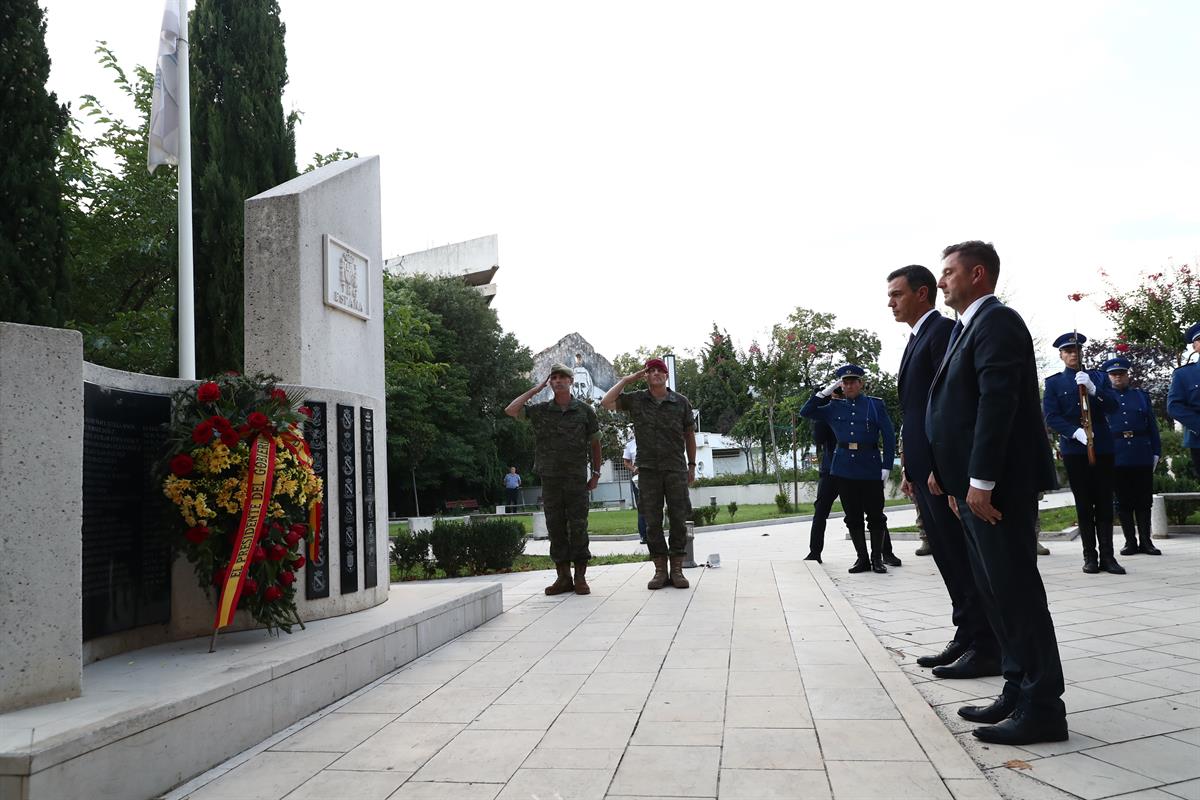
[[949, 655], [862, 565], [1024, 728], [1000, 709], [1090, 566], [970, 665], [1130, 549], [877, 566], [891, 560], [813, 557], [1148, 549], [1110, 565]]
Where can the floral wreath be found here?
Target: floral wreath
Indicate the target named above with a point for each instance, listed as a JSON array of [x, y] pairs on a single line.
[[240, 476]]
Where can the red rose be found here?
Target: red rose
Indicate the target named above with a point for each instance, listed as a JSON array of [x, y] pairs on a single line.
[[249, 586], [259, 554], [208, 392], [277, 552], [293, 537], [220, 423], [197, 534], [279, 394], [202, 433], [230, 438], [272, 594], [298, 562], [181, 465], [287, 578], [298, 527], [306, 411], [258, 420]]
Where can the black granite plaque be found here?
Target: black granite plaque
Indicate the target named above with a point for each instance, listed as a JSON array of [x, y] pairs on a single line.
[[347, 499], [370, 565], [126, 545], [316, 573]]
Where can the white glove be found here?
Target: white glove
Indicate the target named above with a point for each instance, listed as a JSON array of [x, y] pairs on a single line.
[[828, 390], [1080, 436], [1083, 379], [883, 474], [1154, 464]]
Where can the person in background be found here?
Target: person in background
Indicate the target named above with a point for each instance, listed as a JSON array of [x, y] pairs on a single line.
[[1138, 449], [630, 459], [512, 488]]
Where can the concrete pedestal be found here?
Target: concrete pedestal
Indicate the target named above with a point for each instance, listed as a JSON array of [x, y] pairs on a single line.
[[540, 531], [420, 524], [1158, 518]]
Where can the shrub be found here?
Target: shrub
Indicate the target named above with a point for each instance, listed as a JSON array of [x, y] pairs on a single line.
[[448, 540], [493, 544], [409, 550], [704, 515], [753, 478], [781, 502], [732, 508]]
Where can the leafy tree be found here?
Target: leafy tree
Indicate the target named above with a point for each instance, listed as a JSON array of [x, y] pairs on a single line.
[[242, 144], [122, 227], [34, 286], [451, 371], [721, 388]]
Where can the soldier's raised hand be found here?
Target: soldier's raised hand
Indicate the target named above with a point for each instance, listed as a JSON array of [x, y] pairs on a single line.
[[828, 390]]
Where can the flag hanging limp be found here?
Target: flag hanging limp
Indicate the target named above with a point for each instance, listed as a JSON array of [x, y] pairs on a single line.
[[164, 103]]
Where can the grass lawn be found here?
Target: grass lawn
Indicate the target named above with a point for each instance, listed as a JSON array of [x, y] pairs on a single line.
[[1052, 519], [526, 564], [619, 523]]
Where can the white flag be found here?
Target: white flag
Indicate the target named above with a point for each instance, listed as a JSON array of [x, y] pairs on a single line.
[[164, 104]]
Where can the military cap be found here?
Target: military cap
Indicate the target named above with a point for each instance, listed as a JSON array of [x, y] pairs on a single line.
[[562, 369], [656, 363], [1193, 333], [1116, 364], [849, 371], [1072, 339]]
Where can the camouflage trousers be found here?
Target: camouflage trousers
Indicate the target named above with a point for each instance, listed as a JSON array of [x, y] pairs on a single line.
[[565, 501], [657, 486]]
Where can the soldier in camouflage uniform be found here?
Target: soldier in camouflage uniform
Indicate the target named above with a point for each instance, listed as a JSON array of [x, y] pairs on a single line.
[[566, 436], [664, 428]]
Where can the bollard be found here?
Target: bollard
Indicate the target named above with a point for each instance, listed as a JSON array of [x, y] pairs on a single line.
[[689, 559], [540, 531], [1159, 526]]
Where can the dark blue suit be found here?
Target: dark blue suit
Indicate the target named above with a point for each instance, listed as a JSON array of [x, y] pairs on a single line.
[[947, 543], [826, 443], [1091, 484], [1183, 405], [984, 421]]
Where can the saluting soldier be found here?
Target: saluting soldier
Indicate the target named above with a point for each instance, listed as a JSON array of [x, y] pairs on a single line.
[[664, 427], [859, 423], [1183, 401], [566, 436], [1138, 449], [1091, 484]]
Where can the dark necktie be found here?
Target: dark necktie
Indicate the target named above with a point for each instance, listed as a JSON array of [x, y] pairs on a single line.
[[954, 334]]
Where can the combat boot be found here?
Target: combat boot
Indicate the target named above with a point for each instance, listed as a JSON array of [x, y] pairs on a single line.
[[564, 582], [1143, 526], [1127, 528], [581, 585], [677, 577], [660, 573]]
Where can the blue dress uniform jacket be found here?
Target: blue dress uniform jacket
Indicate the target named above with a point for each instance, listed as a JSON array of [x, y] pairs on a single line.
[[1183, 402], [1060, 404], [858, 425], [1135, 430]]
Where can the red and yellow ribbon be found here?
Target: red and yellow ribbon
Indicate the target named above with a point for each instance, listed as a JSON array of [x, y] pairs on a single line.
[[254, 513]]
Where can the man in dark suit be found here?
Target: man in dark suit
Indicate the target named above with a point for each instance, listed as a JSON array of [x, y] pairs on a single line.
[[992, 457], [827, 490], [974, 651]]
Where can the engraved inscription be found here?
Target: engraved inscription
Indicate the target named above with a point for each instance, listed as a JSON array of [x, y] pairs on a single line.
[[347, 500], [370, 564], [316, 574]]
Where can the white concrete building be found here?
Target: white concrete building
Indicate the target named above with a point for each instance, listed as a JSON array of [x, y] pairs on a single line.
[[474, 261]]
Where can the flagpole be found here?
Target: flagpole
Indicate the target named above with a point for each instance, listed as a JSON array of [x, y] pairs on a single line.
[[187, 314]]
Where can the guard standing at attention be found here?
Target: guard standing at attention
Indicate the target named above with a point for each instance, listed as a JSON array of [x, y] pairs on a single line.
[[1091, 484], [1138, 449], [1183, 401], [859, 423]]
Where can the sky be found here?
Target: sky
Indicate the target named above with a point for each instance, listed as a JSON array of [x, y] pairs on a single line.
[[654, 167]]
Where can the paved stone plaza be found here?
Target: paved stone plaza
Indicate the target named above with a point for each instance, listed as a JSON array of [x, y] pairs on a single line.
[[770, 677]]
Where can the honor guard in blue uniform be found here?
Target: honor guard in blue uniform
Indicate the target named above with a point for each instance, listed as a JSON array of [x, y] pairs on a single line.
[[1091, 484], [1138, 449], [859, 423], [1183, 401]]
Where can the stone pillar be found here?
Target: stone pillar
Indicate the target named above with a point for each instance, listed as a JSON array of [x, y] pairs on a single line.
[[41, 494], [1159, 526], [314, 317]]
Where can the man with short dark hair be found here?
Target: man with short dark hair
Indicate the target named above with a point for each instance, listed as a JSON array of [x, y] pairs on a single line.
[[992, 457], [974, 651], [566, 435], [664, 428]]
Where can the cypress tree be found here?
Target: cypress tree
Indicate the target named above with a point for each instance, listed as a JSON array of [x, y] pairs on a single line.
[[242, 144], [33, 272]]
